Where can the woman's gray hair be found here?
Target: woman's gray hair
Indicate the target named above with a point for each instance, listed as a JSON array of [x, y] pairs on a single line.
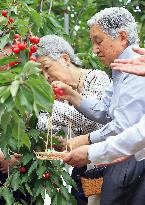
[[115, 19], [54, 46]]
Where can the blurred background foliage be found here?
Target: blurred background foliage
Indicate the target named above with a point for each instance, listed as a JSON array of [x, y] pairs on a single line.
[[49, 16]]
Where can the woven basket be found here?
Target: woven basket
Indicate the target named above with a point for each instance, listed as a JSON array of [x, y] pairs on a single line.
[[91, 186], [50, 155]]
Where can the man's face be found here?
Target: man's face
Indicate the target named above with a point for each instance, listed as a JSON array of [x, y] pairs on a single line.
[[105, 47]]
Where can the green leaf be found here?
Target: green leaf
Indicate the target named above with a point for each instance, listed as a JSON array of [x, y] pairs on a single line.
[[65, 192], [36, 17], [43, 193], [28, 189], [3, 20], [15, 180], [58, 200], [5, 94], [33, 167], [42, 93], [2, 111], [29, 66], [14, 87], [50, 190], [8, 59], [26, 98], [37, 190], [5, 121], [22, 26], [40, 171], [68, 179], [3, 42], [8, 196], [27, 158]]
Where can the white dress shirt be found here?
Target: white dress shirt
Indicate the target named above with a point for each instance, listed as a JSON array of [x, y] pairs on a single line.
[[130, 142], [122, 106]]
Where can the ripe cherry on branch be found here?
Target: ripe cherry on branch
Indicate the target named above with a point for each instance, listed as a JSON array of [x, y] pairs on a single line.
[[16, 49], [17, 36], [33, 49], [4, 13], [11, 20], [12, 64], [46, 176], [22, 170], [34, 39], [22, 46]]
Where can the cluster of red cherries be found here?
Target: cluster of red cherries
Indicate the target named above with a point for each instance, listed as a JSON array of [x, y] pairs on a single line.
[[19, 45], [58, 92], [46, 176], [5, 14]]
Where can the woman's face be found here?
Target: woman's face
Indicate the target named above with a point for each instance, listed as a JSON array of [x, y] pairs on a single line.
[[54, 69]]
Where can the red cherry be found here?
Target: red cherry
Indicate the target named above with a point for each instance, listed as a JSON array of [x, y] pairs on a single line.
[[61, 92], [11, 20], [33, 49], [22, 170], [32, 39], [22, 46], [4, 13], [46, 176], [13, 46], [16, 50], [32, 58], [58, 91], [36, 40], [17, 36], [12, 64]]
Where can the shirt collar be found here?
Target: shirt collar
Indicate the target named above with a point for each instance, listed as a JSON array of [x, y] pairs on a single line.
[[128, 53]]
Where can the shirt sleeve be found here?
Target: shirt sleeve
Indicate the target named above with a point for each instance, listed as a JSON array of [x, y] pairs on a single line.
[[97, 110], [62, 114], [129, 142], [127, 108]]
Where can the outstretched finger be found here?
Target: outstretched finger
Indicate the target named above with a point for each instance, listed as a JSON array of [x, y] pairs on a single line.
[[140, 51], [130, 70], [123, 61]]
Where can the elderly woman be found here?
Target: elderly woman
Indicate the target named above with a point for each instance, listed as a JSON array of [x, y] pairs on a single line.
[[59, 62], [113, 32]]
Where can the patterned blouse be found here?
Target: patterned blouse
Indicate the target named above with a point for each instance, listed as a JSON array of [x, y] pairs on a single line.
[[95, 83]]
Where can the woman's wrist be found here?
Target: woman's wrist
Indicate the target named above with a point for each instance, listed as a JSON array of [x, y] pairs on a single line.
[[75, 99]]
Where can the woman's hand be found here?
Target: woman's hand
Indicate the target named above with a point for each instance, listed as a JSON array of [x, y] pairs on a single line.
[[68, 93], [132, 66], [74, 142]]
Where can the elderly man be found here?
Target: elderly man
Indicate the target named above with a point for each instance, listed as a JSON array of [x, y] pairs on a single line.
[[113, 33]]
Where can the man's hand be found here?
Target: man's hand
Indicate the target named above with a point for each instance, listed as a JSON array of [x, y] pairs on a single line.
[[133, 66], [116, 161], [74, 142], [77, 157]]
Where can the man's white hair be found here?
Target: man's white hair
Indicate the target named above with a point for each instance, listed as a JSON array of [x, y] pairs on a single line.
[[115, 19], [54, 46]]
